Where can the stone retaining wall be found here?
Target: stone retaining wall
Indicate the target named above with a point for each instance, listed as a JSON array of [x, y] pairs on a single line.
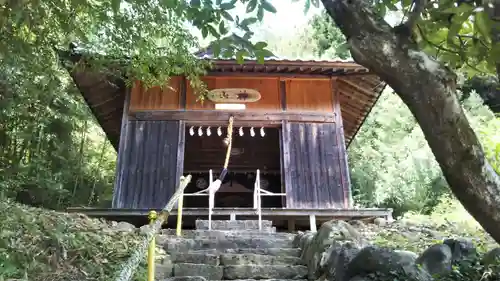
[[338, 252]]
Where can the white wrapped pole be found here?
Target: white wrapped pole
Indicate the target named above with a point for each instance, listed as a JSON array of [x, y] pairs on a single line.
[[212, 189]]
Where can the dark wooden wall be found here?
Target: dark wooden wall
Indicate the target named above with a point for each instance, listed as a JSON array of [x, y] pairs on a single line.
[[149, 164], [316, 171]]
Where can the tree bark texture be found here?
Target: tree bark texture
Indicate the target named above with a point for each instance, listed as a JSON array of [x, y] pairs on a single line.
[[428, 88]]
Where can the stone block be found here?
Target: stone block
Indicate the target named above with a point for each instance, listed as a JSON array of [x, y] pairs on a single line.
[[256, 259], [264, 272], [209, 272]]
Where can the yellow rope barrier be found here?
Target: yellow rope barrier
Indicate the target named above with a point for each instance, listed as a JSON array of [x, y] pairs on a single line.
[[180, 204], [151, 250]]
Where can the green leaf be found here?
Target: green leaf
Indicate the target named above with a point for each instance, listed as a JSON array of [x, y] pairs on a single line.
[[260, 13], [267, 53], [406, 3], [482, 23], [463, 8], [251, 6], [228, 53], [225, 43], [222, 28], [233, 2], [240, 56], [204, 32], [260, 45], [456, 25], [264, 53], [494, 54], [315, 3], [247, 36], [169, 4], [213, 31], [390, 5], [216, 47], [195, 3], [248, 21], [307, 6], [268, 7], [226, 15], [382, 11], [342, 48], [218, 2], [116, 5], [227, 6]]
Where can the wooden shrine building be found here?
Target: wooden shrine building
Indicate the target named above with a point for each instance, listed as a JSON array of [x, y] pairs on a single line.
[[295, 132]]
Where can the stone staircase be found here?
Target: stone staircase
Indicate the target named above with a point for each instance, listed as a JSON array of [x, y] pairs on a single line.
[[232, 250]]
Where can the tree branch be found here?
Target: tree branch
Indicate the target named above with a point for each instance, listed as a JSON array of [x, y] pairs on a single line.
[[416, 12]]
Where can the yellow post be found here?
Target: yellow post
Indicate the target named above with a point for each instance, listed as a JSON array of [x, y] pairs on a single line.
[[179, 215], [151, 250]]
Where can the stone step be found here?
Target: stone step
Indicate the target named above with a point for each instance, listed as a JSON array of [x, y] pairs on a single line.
[[195, 257], [235, 225], [184, 245], [201, 278], [261, 279], [209, 272], [292, 252], [256, 259], [183, 278], [220, 234], [260, 272], [232, 272], [234, 259]]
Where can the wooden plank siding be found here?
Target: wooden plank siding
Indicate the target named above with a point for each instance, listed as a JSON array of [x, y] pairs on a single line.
[[313, 165], [277, 94], [267, 87], [309, 95], [150, 164], [343, 160], [157, 98]]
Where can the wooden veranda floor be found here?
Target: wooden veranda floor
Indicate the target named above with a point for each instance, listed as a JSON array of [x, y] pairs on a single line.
[[281, 217]]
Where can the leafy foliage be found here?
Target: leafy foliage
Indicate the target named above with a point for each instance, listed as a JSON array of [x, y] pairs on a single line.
[[416, 232], [50, 246], [458, 33], [47, 157], [52, 153], [328, 37], [390, 161]]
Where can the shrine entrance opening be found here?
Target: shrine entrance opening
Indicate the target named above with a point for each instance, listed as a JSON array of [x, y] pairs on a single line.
[[253, 148]]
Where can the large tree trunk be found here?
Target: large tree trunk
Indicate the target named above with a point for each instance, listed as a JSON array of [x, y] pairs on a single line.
[[428, 88]]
